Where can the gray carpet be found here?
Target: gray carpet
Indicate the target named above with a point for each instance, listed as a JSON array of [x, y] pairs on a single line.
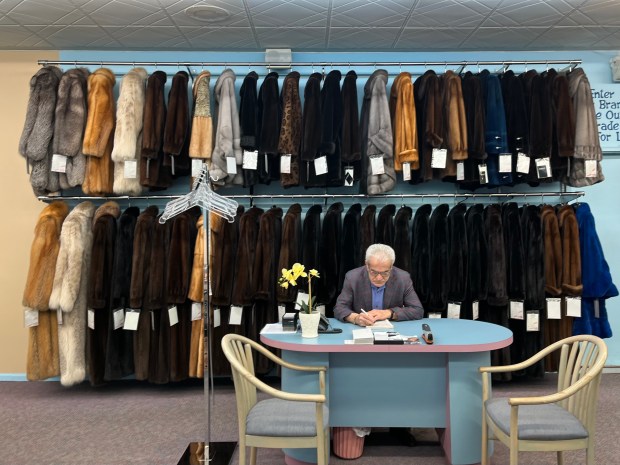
[[135, 423]]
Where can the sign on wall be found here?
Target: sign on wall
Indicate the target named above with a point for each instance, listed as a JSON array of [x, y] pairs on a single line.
[[607, 106]]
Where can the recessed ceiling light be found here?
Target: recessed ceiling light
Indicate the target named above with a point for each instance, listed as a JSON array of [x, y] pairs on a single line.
[[207, 13]]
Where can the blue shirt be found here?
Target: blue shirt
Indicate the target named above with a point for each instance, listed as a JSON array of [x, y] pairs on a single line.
[[377, 297]]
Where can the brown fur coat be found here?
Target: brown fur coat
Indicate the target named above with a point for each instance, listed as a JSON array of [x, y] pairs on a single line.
[[404, 123]]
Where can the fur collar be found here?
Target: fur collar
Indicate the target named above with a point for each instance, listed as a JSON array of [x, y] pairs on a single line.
[[109, 208]]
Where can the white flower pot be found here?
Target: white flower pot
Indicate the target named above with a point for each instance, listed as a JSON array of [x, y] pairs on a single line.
[[309, 324]]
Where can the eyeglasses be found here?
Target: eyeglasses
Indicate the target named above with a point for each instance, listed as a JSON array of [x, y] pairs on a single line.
[[383, 274]]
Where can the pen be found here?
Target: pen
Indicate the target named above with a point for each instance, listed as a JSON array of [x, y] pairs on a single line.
[[363, 311]]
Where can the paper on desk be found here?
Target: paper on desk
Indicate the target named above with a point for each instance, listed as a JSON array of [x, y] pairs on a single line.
[[274, 328], [381, 325]]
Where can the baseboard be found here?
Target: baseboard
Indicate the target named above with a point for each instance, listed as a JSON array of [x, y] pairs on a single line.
[[21, 377], [614, 369]]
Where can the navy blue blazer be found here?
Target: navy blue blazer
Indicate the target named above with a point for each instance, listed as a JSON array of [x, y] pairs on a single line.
[[398, 296]]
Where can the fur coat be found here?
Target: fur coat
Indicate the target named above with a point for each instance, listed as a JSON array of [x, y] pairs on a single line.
[[477, 262], [457, 254], [496, 257], [224, 240], [404, 123], [128, 132], [571, 255], [269, 121], [331, 233], [248, 122], [35, 143], [69, 291], [402, 238], [227, 134], [331, 118], [177, 118], [367, 231], [69, 124], [266, 259], [195, 293], [153, 173], [474, 115], [377, 135], [351, 254], [290, 132], [428, 103], [311, 130], [438, 271], [587, 144], [562, 123], [385, 225], [421, 253], [201, 142], [311, 242], [350, 152], [43, 358], [517, 120], [455, 126], [290, 250], [246, 251]]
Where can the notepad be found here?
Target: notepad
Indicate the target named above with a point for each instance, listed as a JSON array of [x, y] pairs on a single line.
[[381, 325], [363, 336]]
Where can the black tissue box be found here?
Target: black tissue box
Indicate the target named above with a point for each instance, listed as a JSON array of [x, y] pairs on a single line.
[[289, 322]]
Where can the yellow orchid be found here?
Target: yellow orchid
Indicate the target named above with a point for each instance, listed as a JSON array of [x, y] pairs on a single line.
[[290, 277]]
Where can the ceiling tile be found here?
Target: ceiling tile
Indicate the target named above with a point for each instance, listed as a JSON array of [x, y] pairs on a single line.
[[208, 38], [527, 13], [439, 39], [67, 37], [560, 36], [125, 13], [289, 13], [39, 12], [7, 5], [603, 12], [7, 20], [446, 13], [12, 36], [139, 37], [362, 38], [576, 18], [501, 38], [611, 41], [364, 13], [298, 38]]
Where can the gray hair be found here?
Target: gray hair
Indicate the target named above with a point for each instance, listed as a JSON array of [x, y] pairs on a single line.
[[382, 252]]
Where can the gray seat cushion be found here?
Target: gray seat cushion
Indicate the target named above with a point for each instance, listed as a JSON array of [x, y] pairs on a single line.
[[547, 422], [277, 417]]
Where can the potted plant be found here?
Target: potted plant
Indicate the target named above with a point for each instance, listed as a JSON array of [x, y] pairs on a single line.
[[308, 316]]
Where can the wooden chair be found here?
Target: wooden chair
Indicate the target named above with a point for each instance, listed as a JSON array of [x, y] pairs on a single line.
[[285, 419], [557, 422]]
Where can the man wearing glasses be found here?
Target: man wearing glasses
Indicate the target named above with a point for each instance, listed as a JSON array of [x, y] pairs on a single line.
[[378, 291]]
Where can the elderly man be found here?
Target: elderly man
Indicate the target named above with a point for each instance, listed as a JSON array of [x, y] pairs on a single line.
[[378, 291]]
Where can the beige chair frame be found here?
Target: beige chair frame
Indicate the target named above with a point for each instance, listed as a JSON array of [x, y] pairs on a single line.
[[238, 350], [582, 359]]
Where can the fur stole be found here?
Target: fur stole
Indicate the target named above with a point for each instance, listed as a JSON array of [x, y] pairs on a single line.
[[100, 121], [420, 253], [201, 142], [290, 132], [290, 249], [404, 123], [69, 125], [43, 256]]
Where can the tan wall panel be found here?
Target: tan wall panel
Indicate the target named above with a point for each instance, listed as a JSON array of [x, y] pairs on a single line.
[[20, 208]]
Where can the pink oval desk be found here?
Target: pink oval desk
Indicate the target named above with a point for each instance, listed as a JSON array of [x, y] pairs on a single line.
[[400, 385]]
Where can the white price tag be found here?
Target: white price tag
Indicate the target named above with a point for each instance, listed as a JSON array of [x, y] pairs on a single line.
[[173, 316], [285, 163], [130, 169], [217, 317], [231, 165], [250, 160], [454, 310], [59, 316], [460, 171], [516, 309], [320, 165], [301, 297], [475, 309], [235, 315], [439, 158], [482, 173], [591, 169], [91, 318], [406, 171], [505, 162], [152, 320], [197, 165], [543, 168], [59, 163], [434, 314], [31, 318], [119, 318], [321, 309], [597, 309], [281, 312], [554, 308], [523, 163], [573, 306], [349, 179], [376, 165], [196, 311], [131, 319], [532, 322]]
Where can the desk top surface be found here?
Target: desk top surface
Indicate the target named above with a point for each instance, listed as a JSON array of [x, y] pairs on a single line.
[[450, 335]]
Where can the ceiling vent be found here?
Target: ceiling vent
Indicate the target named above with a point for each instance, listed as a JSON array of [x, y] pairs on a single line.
[[207, 13], [278, 58]]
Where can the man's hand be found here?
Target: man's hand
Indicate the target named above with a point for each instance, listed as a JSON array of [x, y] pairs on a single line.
[[379, 315]]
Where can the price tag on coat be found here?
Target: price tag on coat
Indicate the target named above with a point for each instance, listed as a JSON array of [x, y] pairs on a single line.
[[554, 308], [454, 310], [301, 297], [320, 165], [573, 306], [406, 171], [349, 179], [482, 174], [434, 314], [231, 165], [591, 169], [523, 163], [532, 321], [152, 320], [516, 309], [173, 315], [460, 171], [285, 163], [505, 162], [543, 168], [250, 160], [236, 313], [119, 318], [597, 309], [31, 318], [475, 309], [321, 309], [59, 163], [196, 311], [130, 169], [59, 316], [438, 158], [132, 317], [217, 317], [376, 165], [197, 165], [91, 318]]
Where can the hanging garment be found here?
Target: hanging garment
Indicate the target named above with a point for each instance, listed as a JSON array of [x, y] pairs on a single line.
[[474, 115], [562, 123], [404, 124], [598, 285], [227, 134], [196, 294], [243, 287], [455, 125], [290, 132], [331, 119], [351, 253], [201, 139], [69, 291], [477, 261], [457, 256], [421, 253], [266, 261], [428, 104], [35, 143], [311, 243], [128, 132], [177, 122], [311, 131], [350, 151], [326, 287], [140, 272], [69, 124], [248, 120], [438, 270], [385, 225], [290, 252], [517, 120], [496, 257], [99, 288], [571, 283], [119, 347], [587, 144], [367, 231], [269, 121], [42, 360], [402, 238]]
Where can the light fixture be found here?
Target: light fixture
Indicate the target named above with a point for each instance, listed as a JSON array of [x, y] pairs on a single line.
[[207, 13]]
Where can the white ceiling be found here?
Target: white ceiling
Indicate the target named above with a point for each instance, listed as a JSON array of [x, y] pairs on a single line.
[[318, 25]]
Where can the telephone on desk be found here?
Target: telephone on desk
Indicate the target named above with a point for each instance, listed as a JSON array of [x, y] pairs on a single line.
[[325, 326]]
